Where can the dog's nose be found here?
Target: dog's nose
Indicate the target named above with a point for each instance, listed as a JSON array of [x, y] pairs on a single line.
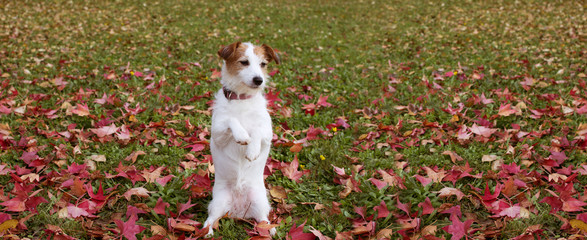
[[257, 81]]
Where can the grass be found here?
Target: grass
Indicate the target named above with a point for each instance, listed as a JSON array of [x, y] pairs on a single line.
[[371, 58]]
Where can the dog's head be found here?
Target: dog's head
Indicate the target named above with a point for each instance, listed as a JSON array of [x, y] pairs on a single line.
[[246, 65]]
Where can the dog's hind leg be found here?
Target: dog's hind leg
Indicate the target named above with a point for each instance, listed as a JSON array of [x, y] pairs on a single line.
[[260, 206], [219, 206]]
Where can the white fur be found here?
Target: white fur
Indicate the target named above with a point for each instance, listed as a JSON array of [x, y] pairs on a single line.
[[240, 141]]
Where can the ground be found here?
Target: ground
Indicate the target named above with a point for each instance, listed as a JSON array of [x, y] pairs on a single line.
[[392, 119]]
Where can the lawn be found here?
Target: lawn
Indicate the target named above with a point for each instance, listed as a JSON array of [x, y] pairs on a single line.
[[392, 119]]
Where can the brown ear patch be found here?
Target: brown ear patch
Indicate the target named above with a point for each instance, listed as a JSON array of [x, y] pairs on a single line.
[[227, 51], [271, 53], [237, 50], [267, 52]]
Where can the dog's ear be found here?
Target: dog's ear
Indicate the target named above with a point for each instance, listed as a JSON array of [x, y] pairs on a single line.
[[270, 53], [226, 51]]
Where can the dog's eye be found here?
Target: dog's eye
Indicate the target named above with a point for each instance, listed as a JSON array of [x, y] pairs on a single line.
[[263, 64], [245, 62]]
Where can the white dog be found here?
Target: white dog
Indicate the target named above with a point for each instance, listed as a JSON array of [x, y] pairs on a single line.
[[241, 135]]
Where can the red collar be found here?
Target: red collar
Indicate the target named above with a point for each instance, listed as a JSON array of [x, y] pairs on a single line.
[[230, 95]]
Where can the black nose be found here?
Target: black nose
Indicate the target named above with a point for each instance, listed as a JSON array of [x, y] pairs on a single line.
[[257, 81]]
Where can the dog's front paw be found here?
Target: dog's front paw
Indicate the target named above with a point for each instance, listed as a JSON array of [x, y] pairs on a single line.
[[252, 153], [251, 157], [242, 138]]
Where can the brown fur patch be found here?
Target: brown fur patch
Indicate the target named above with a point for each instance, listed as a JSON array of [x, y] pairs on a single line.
[[266, 52], [232, 64]]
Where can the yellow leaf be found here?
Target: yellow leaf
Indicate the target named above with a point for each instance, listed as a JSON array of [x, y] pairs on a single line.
[[576, 223], [8, 224], [454, 118]]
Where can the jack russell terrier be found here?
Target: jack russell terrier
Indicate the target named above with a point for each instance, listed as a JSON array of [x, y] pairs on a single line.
[[241, 135]]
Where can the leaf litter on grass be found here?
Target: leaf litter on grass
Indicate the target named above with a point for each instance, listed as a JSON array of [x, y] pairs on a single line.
[[416, 121]]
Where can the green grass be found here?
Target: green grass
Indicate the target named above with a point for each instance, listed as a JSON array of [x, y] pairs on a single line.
[[354, 52]]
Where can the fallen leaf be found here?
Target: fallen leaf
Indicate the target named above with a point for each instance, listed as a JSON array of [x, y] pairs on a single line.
[[318, 234], [278, 193], [105, 131], [575, 223], [12, 223], [488, 158], [448, 191], [384, 233], [98, 158], [297, 233], [129, 229], [139, 191], [506, 110], [454, 157]]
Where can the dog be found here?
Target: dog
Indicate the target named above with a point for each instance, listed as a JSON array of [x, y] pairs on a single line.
[[241, 135]]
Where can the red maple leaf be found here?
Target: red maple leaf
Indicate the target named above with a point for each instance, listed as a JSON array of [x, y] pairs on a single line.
[[389, 179], [426, 206], [322, 101], [132, 210], [318, 234], [160, 207], [309, 108], [554, 202], [215, 74], [105, 131], [290, 170], [81, 110], [458, 229], [381, 210], [342, 122], [559, 157], [572, 205], [485, 100], [164, 180], [487, 196], [506, 110], [272, 97], [464, 133], [581, 110], [4, 109], [124, 133], [423, 180], [134, 111], [27, 157], [99, 195], [403, 206], [313, 133], [184, 206], [32, 203], [129, 229], [297, 233], [513, 212], [75, 212], [481, 130], [16, 204], [197, 147]]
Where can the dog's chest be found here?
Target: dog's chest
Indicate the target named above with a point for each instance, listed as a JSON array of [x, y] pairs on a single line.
[[251, 117]]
